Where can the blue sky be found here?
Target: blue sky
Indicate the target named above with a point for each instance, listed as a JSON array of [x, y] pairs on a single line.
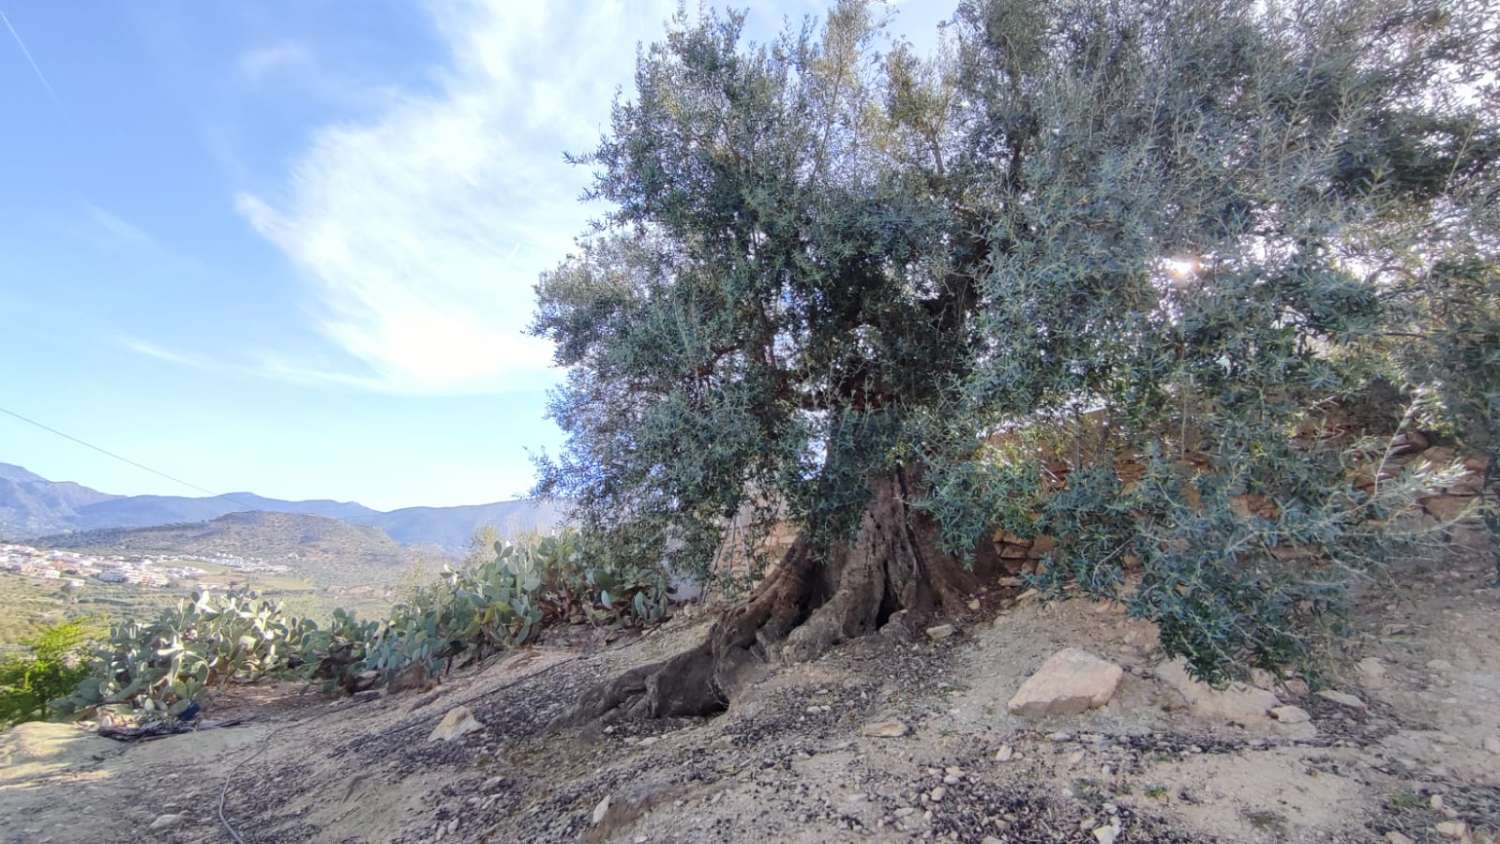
[[288, 247]]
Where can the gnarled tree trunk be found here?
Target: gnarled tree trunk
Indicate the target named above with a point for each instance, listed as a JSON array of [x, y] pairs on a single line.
[[892, 564]]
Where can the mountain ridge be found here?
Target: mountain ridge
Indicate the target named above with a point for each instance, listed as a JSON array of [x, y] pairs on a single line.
[[32, 506]]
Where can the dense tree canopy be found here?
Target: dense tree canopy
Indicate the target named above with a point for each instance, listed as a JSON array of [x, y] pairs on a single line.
[[1175, 229]]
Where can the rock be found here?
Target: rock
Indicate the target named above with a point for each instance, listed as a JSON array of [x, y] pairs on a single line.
[[1394, 837], [366, 696], [897, 627], [1408, 442], [1439, 457], [974, 604], [1239, 702], [936, 794], [1290, 714], [1342, 698], [413, 677], [600, 811], [1440, 665], [1453, 829], [1010, 551], [1492, 744], [1450, 508], [940, 632], [1069, 682], [1371, 673], [1005, 753], [165, 822], [1469, 483], [459, 721], [1106, 834], [885, 729]]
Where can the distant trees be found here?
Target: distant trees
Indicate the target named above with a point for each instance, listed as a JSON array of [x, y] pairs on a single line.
[[836, 271]]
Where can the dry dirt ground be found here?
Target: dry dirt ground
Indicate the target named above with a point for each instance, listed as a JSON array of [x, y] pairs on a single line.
[[788, 761]]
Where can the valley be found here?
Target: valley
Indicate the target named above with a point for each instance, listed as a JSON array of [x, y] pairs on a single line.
[[111, 584], [75, 552], [28, 604]]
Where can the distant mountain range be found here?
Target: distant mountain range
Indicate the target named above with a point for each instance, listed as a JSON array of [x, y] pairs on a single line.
[[32, 506]]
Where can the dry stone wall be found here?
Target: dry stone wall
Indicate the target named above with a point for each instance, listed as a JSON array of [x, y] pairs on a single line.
[[745, 539]]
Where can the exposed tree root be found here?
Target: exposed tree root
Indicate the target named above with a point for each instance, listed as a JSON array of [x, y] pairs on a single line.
[[806, 605]]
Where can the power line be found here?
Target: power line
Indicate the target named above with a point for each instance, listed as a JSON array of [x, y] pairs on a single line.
[[106, 451]]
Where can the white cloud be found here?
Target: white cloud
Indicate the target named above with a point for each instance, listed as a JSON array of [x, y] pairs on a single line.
[[422, 230]]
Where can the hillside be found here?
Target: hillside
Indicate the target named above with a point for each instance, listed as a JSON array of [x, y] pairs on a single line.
[[451, 528], [886, 739], [32, 506], [324, 550]]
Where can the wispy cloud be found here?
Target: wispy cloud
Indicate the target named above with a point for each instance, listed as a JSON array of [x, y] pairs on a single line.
[[422, 231], [259, 364], [149, 349], [36, 68], [280, 367], [257, 63], [119, 231], [112, 232]]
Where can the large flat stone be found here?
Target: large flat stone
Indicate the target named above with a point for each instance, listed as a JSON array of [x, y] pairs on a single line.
[[1237, 702], [1069, 682]]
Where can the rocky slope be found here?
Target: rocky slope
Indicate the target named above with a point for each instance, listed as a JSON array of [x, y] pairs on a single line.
[[886, 739]]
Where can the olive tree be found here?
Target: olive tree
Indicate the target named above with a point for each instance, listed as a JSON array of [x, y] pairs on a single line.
[[868, 287]]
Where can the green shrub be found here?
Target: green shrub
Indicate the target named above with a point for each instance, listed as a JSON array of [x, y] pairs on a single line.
[[30, 685], [492, 603]]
